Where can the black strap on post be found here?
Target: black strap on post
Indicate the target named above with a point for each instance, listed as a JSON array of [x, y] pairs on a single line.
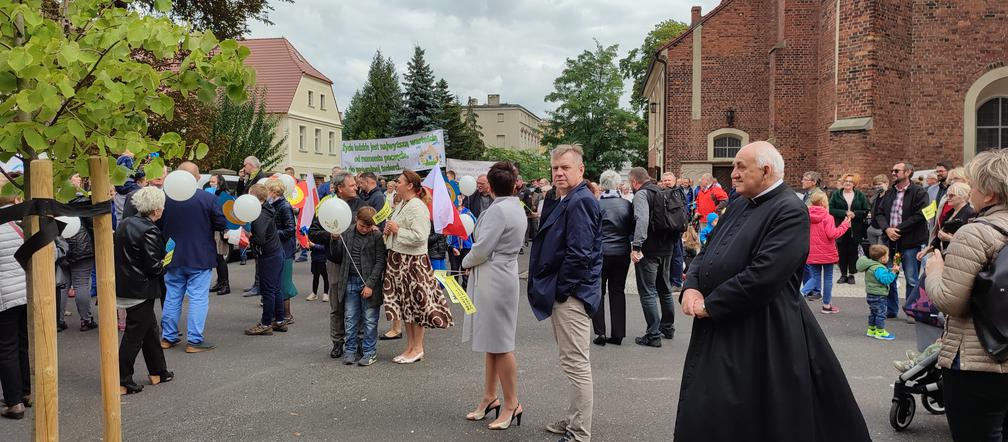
[[49, 228]]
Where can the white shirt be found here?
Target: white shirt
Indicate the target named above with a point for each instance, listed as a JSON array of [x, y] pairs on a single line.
[[772, 187]]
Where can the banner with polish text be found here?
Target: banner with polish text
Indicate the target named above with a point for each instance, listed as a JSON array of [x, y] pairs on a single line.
[[389, 156]]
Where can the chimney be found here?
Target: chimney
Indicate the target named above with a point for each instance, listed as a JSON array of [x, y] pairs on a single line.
[[473, 101], [696, 16], [493, 99]]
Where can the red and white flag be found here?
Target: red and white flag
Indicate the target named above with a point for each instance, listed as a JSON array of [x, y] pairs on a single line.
[[444, 214], [308, 205]]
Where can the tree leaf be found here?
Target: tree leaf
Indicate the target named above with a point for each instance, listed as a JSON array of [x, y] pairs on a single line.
[[163, 6], [119, 174], [18, 58], [8, 82], [34, 139], [201, 150], [76, 129]]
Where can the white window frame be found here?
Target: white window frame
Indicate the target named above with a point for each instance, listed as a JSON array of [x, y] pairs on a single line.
[[311, 101], [500, 117], [1000, 127], [332, 143], [727, 131], [301, 138], [322, 101], [318, 140]]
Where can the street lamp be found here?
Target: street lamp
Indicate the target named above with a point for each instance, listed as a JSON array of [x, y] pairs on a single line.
[[654, 107]]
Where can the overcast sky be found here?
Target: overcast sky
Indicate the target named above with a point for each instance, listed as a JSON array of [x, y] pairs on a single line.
[[515, 48]]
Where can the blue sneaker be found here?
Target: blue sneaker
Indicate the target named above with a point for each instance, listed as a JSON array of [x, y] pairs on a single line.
[[349, 358], [884, 335], [367, 360]]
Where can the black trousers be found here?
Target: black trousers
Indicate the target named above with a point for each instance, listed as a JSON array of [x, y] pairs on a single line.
[[614, 274], [847, 245], [141, 334], [318, 270], [456, 265], [15, 374], [222, 270], [976, 405]]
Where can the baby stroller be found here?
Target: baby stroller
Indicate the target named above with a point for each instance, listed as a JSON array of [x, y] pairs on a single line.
[[923, 379]]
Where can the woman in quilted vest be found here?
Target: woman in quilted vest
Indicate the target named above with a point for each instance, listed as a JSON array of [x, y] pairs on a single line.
[[15, 376], [975, 385]]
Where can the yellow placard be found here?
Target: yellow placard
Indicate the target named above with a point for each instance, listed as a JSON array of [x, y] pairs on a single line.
[[455, 291], [168, 258], [930, 211], [383, 214]]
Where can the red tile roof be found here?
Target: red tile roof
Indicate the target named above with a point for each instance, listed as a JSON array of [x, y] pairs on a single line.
[[279, 68]]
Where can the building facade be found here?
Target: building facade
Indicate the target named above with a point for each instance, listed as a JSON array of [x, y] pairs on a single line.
[[303, 99], [506, 125], [837, 85]]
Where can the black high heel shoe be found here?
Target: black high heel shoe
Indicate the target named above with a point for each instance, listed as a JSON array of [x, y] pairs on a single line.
[[515, 415], [489, 407]]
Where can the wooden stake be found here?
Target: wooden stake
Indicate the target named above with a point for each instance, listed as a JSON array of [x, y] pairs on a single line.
[[108, 337], [43, 296]]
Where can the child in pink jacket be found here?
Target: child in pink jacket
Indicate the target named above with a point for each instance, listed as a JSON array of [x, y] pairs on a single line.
[[822, 250]]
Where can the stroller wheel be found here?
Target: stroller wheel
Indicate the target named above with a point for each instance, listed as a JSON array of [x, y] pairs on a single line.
[[934, 403], [902, 412]]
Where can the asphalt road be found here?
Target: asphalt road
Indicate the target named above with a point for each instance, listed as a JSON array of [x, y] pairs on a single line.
[[285, 386]]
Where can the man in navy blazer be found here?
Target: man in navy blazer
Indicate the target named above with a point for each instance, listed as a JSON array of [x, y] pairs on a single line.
[[191, 223], [564, 285]]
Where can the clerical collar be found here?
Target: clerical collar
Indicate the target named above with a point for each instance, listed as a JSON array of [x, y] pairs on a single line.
[[772, 187]]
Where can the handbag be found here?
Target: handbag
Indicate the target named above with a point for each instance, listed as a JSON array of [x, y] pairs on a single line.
[[919, 306], [989, 303]]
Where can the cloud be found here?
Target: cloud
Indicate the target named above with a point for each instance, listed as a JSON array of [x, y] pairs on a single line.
[[512, 48]]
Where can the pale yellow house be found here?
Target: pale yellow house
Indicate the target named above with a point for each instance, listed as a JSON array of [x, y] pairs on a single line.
[[506, 125], [303, 99]]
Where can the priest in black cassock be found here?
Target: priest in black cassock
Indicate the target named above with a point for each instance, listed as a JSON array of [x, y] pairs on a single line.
[[758, 367]]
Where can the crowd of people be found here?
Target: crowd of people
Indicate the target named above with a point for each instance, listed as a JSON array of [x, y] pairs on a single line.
[[739, 258]]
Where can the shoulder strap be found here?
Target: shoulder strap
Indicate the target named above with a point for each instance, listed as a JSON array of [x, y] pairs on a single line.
[[999, 229]]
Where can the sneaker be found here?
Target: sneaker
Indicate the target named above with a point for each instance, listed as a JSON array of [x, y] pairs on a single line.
[[60, 326], [871, 332], [668, 334], [842, 280], [259, 330], [648, 342], [884, 335], [902, 366], [279, 327], [911, 355], [558, 427], [349, 358], [200, 347], [288, 320], [311, 297], [88, 325], [325, 297], [850, 280], [814, 296], [829, 310], [367, 360], [166, 344], [337, 350]]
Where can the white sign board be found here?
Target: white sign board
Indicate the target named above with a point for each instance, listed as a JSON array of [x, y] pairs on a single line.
[[389, 156], [471, 168]]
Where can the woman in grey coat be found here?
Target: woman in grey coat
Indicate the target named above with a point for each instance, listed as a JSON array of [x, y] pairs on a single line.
[[493, 284]]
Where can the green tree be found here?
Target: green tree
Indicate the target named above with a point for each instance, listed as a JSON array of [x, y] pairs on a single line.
[[587, 94], [243, 129], [375, 107], [225, 18], [78, 81], [635, 65], [420, 106], [532, 164], [460, 143]]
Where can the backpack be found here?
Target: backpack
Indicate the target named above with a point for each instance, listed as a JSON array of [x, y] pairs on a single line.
[[989, 304], [668, 210]]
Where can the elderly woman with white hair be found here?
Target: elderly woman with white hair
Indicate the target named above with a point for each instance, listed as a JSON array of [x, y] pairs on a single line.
[[616, 228], [140, 259], [975, 383]]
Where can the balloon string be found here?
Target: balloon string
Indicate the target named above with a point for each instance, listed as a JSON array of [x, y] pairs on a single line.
[[351, 258]]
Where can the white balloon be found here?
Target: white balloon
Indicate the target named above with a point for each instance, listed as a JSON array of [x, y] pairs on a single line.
[[468, 224], [335, 215], [233, 236], [247, 208], [467, 185], [262, 181], [288, 182], [72, 226], [180, 185]]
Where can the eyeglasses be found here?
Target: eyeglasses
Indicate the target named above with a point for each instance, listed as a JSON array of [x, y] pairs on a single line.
[[848, 182], [896, 170]]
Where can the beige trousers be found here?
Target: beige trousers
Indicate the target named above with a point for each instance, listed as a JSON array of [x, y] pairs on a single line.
[[572, 328]]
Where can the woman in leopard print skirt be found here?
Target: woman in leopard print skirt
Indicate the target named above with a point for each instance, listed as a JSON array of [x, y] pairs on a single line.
[[411, 292]]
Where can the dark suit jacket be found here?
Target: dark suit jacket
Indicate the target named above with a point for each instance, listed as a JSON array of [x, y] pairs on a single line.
[[244, 184], [913, 229], [192, 223], [566, 258], [371, 264]]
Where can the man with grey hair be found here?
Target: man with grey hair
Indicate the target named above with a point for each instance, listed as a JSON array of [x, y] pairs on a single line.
[[743, 293], [651, 254], [249, 174], [567, 253], [481, 199], [811, 183], [191, 224]]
